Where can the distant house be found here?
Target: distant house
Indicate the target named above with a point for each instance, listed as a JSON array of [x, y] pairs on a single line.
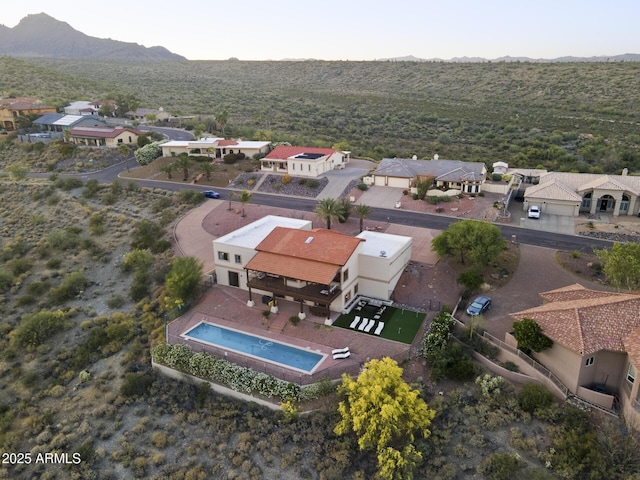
[[140, 114], [468, 177], [569, 194], [303, 161], [57, 123], [214, 147], [285, 257], [596, 349], [104, 136], [13, 109], [83, 107]]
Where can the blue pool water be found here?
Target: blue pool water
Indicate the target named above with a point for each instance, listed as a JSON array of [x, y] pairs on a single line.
[[262, 348]]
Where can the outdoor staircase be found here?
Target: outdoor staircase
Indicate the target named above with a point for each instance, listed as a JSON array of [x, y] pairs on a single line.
[[277, 322]]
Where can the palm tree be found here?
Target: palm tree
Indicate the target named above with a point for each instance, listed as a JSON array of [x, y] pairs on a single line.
[[329, 209], [222, 118], [184, 162], [231, 197], [362, 211], [169, 168], [244, 198], [206, 168]]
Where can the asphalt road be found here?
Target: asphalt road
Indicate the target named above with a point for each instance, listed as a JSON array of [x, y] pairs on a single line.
[[403, 217]]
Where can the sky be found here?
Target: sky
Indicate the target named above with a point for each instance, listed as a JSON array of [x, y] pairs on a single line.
[[354, 29]]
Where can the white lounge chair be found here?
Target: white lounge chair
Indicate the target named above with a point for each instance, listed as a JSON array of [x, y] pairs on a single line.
[[338, 351], [364, 323], [355, 322], [379, 328], [340, 356], [369, 326]]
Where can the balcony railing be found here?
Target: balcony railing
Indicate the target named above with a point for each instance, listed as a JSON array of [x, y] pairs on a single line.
[[313, 292]]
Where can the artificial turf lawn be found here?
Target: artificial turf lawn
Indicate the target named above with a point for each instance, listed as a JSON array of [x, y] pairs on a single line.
[[399, 325]]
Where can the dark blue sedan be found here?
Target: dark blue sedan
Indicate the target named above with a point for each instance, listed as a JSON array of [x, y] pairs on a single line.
[[479, 306], [211, 194]]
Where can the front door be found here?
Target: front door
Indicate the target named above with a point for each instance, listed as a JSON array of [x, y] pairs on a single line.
[[234, 279]]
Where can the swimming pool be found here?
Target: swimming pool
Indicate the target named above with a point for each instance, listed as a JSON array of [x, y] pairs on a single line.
[[258, 347]]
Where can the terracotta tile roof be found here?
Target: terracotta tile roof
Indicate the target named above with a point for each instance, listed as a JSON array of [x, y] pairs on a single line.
[[320, 244], [632, 345], [282, 152], [586, 321], [226, 143], [292, 267], [314, 256]]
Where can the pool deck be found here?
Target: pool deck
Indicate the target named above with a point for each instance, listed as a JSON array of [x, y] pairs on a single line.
[[226, 306]]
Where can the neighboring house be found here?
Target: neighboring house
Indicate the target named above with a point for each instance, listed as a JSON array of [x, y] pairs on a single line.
[[13, 109], [468, 177], [83, 107], [596, 344], [285, 257], [104, 136], [570, 194], [57, 123], [140, 114], [214, 147], [303, 161]]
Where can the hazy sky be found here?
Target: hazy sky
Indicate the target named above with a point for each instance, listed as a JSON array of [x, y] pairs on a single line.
[[354, 29]]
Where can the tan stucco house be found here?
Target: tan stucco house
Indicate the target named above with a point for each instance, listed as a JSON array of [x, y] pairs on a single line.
[[467, 177], [303, 161], [596, 344], [562, 193], [13, 109], [214, 147], [104, 136], [285, 257]]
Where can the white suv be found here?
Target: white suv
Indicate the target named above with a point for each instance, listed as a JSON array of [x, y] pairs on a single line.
[[534, 211]]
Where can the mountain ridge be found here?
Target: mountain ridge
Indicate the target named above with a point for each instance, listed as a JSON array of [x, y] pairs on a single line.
[[63, 41]]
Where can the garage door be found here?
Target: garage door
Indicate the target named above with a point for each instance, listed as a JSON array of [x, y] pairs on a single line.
[[559, 209], [398, 182]]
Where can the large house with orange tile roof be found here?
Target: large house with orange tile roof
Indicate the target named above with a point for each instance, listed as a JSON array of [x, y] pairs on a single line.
[[214, 147], [13, 109], [303, 161], [287, 258], [569, 194], [596, 344]]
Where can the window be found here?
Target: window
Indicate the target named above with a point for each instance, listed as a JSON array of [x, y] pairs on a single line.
[[345, 275], [293, 166], [586, 200], [347, 297], [309, 167], [631, 374], [238, 259], [355, 289], [223, 256], [589, 361], [624, 204]]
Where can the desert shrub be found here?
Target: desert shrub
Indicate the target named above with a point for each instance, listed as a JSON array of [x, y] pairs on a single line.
[[117, 301], [161, 204], [533, 397], [496, 177], [190, 197], [363, 187], [103, 340], [230, 158], [294, 319], [26, 300], [434, 200], [63, 240], [137, 259], [135, 384], [148, 153], [36, 328], [501, 466], [145, 233], [20, 266], [91, 188], [72, 286], [160, 246], [6, 280], [471, 280], [68, 183], [312, 183], [139, 286], [241, 156], [66, 150], [286, 179], [53, 263]]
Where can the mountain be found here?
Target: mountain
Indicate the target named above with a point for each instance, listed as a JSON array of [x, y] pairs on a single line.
[[626, 57], [40, 35]]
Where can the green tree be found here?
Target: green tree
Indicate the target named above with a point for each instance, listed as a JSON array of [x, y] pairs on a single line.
[[184, 162], [422, 186], [529, 335], [345, 209], [621, 265], [244, 197], [386, 415], [328, 209], [362, 211], [232, 195], [151, 117], [481, 241], [183, 279], [145, 234], [206, 168], [169, 168], [124, 151], [18, 172], [222, 118]]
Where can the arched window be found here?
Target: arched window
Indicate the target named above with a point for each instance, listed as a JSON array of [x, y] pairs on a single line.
[[586, 201], [624, 204]]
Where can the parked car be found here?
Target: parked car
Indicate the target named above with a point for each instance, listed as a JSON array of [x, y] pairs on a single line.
[[479, 306], [211, 194], [534, 211]]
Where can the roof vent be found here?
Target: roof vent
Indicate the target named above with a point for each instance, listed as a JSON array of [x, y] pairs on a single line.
[[309, 240], [383, 253]]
